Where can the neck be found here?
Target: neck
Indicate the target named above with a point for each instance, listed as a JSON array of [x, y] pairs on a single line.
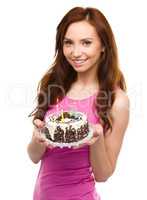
[[86, 79]]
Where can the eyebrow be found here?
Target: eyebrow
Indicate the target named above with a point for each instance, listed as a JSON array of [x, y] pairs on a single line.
[[81, 39]]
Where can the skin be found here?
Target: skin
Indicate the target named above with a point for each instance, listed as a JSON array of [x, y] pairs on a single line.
[[83, 45], [104, 149]]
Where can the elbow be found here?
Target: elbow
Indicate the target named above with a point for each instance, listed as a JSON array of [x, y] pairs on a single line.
[[101, 179], [104, 177], [32, 157], [34, 160]]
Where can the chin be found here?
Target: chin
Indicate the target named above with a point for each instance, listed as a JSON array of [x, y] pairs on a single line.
[[80, 69]]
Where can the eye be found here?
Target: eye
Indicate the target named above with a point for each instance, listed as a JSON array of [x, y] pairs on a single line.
[[86, 43], [67, 42]]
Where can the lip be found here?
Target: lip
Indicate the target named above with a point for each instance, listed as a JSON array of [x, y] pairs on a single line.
[[79, 62]]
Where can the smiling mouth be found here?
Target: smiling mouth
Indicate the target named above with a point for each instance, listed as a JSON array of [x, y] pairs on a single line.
[[79, 62]]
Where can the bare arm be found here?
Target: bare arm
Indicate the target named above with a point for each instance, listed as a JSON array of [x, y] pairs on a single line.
[[104, 152], [36, 148], [38, 144]]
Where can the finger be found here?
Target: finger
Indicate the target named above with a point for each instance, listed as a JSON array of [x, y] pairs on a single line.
[[92, 141], [79, 146], [49, 145], [42, 140], [76, 147], [38, 123], [98, 130], [37, 132], [38, 136], [96, 134]]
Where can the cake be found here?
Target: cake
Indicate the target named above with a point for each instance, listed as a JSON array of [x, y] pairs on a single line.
[[66, 127]]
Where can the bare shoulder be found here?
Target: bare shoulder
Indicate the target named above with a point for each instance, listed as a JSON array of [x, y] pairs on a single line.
[[121, 100], [120, 109]]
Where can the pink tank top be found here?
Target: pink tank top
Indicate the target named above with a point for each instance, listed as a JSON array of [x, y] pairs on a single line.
[[66, 173]]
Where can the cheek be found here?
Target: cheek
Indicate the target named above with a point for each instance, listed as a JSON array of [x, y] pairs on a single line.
[[66, 51], [95, 52]]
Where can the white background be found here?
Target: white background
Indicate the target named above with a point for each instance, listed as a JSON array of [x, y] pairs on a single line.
[[27, 33]]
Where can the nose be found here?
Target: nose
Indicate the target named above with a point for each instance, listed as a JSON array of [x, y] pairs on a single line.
[[76, 51]]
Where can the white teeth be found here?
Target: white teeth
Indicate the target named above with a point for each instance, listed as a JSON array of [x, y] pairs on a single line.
[[79, 61]]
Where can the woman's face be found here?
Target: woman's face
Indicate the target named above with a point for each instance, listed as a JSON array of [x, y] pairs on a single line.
[[82, 46]]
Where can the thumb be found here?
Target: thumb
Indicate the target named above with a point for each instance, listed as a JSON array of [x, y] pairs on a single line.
[[98, 129], [38, 123]]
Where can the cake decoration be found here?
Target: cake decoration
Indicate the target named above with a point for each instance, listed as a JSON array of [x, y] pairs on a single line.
[[67, 129]]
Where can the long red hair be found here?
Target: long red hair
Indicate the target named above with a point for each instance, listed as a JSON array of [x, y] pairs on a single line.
[[57, 81]]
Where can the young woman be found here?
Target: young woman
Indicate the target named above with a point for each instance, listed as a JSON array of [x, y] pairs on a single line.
[[85, 75]]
